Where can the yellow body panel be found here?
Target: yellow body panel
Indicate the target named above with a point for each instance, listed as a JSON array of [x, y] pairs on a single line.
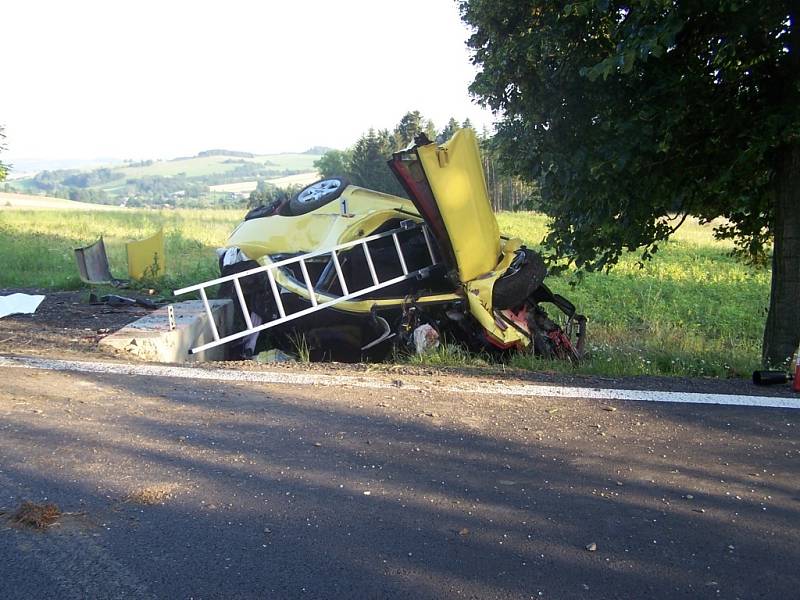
[[147, 257], [321, 229], [455, 174], [479, 296], [354, 306]]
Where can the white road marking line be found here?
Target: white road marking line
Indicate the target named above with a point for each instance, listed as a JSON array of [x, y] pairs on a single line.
[[319, 379]]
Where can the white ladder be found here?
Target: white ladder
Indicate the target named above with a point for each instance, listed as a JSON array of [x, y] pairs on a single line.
[[347, 294]]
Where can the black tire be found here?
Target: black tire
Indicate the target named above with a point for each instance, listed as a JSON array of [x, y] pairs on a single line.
[[512, 289], [315, 196]]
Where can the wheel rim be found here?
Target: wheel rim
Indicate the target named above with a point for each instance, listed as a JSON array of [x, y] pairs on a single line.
[[317, 190]]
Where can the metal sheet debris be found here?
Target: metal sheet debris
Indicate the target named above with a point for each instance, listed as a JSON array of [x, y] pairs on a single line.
[[19, 304]]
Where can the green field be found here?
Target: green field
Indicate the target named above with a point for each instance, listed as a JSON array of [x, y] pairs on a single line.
[[198, 166], [209, 165], [692, 310]]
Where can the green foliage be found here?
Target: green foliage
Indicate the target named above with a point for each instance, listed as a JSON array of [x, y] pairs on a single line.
[[407, 129], [448, 131], [506, 191], [368, 166], [631, 112], [634, 115], [38, 245], [183, 182], [267, 193], [334, 163], [692, 310], [3, 168], [85, 179]]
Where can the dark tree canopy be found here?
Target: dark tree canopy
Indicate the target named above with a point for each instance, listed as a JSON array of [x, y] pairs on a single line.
[[635, 114]]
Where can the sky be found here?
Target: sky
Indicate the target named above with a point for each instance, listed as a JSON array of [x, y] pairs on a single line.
[[144, 79]]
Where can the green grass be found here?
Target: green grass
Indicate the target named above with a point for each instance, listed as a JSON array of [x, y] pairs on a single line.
[[38, 245], [692, 310]]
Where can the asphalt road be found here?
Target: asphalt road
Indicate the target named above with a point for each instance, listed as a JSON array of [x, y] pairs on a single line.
[[180, 488]]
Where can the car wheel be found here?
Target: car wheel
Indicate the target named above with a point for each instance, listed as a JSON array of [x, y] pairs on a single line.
[[316, 195], [512, 289]]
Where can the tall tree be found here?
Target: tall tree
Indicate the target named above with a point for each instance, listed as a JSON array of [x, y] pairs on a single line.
[[334, 163], [448, 131], [368, 162], [3, 168], [407, 129], [631, 112]]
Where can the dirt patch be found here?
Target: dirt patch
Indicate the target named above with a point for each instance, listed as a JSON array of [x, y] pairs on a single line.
[[65, 325], [153, 494], [38, 516]]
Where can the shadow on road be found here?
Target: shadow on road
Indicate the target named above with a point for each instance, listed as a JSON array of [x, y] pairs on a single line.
[[350, 493]]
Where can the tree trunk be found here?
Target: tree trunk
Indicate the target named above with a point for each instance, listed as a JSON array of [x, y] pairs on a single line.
[[782, 331]]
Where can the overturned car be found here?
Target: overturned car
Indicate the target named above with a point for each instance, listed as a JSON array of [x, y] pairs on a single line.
[[354, 274]]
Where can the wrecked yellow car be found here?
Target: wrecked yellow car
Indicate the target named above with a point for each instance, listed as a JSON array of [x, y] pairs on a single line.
[[354, 274]]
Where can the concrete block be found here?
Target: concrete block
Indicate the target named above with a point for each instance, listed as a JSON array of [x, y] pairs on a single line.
[[151, 339]]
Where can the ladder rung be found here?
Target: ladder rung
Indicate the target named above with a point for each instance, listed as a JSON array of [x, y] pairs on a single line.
[[311, 294], [400, 254], [243, 304], [211, 321], [428, 243], [370, 265], [275, 293], [339, 273]]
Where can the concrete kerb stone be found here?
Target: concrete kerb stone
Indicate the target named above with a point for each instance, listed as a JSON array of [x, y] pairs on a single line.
[[151, 338]]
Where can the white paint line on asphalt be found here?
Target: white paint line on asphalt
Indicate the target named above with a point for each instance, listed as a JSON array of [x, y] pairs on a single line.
[[320, 379]]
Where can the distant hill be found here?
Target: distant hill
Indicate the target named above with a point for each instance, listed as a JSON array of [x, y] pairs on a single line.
[[204, 180], [24, 166], [318, 150], [28, 202], [218, 152]]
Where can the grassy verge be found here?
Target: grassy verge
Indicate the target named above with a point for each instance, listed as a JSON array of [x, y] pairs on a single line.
[[692, 310], [37, 246]]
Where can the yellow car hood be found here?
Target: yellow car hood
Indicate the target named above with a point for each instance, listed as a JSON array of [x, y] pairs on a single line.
[[447, 185]]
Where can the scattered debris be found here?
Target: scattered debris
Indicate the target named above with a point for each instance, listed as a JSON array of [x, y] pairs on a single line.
[[93, 265], [19, 304], [147, 257], [463, 531], [39, 516], [154, 494], [771, 377], [275, 356], [116, 301], [426, 339]]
